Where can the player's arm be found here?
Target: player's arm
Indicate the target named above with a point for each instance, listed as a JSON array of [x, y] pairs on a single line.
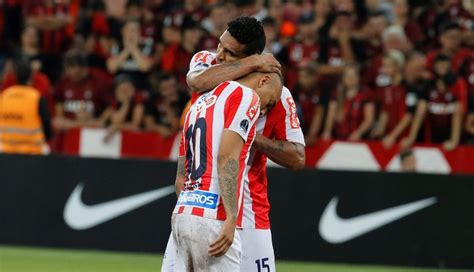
[[228, 172], [180, 172], [284, 153], [207, 79]]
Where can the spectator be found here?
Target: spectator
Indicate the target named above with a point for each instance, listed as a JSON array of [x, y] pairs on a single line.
[[393, 38], [321, 11], [443, 106], [339, 46], [132, 56], [303, 50], [272, 44], [81, 94], [401, 10], [391, 100], [56, 21], [176, 61], [416, 81], [165, 106], [311, 101], [126, 111], [215, 25], [450, 40], [29, 48], [24, 119], [372, 34], [351, 111]]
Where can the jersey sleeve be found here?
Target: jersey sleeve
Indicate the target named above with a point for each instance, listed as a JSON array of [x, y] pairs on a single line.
[[201, 61], [290, 129], [242, 109]]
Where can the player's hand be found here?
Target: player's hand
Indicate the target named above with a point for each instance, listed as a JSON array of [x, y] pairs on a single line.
[[267, 63], [225, 239], [450, 145]]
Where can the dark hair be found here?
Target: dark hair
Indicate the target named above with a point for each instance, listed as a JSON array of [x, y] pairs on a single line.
[[22, 71], [249, 32], [405, 154]]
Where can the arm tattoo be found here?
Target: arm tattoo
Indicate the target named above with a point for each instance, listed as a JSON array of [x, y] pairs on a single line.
[[180, 172], [228, 185]]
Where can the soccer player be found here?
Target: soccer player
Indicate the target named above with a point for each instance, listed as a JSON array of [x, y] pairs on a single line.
[[279, 134], [218, 132]]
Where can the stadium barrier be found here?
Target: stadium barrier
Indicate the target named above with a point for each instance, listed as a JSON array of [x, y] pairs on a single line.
[[336, 155], [330, 216]]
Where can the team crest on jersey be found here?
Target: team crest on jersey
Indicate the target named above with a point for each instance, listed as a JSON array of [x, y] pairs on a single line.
[[294, 121]]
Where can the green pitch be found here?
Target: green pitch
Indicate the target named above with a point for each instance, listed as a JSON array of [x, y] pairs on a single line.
[[19, 259]]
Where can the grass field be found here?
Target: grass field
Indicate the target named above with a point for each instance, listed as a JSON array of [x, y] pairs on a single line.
[[19, 259]]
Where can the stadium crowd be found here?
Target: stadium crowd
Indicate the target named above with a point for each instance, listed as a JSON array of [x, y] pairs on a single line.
[[388, 70]]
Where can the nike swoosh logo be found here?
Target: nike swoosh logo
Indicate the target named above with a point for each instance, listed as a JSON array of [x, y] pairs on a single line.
[[80, 216], [337, 230]]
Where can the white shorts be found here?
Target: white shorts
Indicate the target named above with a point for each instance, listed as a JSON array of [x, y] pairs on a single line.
[[257, 250], [170, 255], [192, 236]]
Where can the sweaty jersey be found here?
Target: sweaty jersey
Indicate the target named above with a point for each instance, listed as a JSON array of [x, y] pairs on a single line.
[[230, 106], [281, 123]]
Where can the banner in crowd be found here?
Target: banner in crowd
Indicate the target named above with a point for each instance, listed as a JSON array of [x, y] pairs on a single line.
[[336, 155], [317, 215]]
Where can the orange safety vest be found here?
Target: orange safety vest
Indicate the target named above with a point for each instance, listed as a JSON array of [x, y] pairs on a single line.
[[21, 130]]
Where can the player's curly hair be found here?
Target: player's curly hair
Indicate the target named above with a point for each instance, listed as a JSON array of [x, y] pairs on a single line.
[[248, 31]]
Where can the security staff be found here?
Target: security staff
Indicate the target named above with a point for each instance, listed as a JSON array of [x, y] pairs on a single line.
[[24, 120]]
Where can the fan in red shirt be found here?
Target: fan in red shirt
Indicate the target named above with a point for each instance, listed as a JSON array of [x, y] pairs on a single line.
[[442, 107], [351, 110], [176, 58], [450, 40], [303, 50], [338, 46], [401, 10], [55, 19], [312, 102], [82, 94], [391, 97]]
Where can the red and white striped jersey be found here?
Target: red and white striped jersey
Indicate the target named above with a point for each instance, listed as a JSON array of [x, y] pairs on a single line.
[[201, 61], [229, 106], [281, 123]]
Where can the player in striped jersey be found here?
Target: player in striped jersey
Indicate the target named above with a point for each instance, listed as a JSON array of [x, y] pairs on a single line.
[[218, 132], [279, 134]]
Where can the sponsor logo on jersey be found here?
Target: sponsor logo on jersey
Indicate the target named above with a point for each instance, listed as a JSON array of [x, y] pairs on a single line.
[[294, 122], [198, 198]]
